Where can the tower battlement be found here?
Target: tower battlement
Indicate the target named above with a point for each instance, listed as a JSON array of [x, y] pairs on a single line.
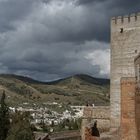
[[126, 19]]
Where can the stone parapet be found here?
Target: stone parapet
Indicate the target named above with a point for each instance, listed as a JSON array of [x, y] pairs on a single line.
[[135, 17], [101, 114], [97, 112]]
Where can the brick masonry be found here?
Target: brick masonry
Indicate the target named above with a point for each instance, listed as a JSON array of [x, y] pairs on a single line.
[[128, 113], [137, 100], [88, 135]]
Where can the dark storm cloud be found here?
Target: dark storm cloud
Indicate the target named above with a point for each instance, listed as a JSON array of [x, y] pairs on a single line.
[[51, 39], [103, 10], [11, 10], [113, 3], [125, 3], [89, 1]]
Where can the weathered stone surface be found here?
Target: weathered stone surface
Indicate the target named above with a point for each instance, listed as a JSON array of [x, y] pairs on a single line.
[[137, 100], [88, 135], [101, 114], [124, 117], [125, 46], [128, 113]]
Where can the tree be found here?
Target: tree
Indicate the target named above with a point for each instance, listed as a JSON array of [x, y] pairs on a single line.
[[4, 118], [20, 127]]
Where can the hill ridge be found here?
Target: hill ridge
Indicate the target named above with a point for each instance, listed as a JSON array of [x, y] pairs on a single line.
[[76, 89], [93, 80]]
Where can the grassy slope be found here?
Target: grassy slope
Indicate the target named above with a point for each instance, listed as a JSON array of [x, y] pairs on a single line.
[[78, 89]]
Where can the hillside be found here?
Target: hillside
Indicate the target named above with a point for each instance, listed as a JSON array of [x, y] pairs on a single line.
[[74, 90]]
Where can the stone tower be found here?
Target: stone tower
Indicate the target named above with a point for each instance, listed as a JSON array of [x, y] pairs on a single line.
[[125, 46]]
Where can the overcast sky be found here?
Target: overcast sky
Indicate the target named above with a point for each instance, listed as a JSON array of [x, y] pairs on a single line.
[[52, 39]]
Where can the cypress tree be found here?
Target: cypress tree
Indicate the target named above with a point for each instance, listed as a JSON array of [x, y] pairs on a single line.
[[4, 118], [20, 127]]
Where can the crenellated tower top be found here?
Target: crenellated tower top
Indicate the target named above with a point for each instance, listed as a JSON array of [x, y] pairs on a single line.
[[126, 19]]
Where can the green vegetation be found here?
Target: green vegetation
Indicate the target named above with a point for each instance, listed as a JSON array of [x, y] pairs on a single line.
[[20, 127], [65, 125], [4, 118], [75, 90]]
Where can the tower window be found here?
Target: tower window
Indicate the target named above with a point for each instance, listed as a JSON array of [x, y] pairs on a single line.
[[121, 30], [129, 19], [135, 17]]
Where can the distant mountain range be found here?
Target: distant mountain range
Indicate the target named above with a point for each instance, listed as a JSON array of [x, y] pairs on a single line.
[[76, 90], [83, 77]]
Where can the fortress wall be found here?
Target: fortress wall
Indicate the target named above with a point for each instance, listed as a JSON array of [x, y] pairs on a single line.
[[128, 112], [126, 20], [125, 46], [137, 100], [101, 112], [91, 114]]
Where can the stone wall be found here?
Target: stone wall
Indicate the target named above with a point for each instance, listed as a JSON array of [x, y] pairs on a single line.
[[125, 45], [137, 100], [101, 114], [128, 113], [88, 135]]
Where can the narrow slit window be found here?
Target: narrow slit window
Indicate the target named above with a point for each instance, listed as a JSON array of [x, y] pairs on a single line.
[[135, 17], [129, 19], [121, 30]]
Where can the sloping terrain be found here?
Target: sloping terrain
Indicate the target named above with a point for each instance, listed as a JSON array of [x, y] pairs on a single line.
[[74, 90]]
